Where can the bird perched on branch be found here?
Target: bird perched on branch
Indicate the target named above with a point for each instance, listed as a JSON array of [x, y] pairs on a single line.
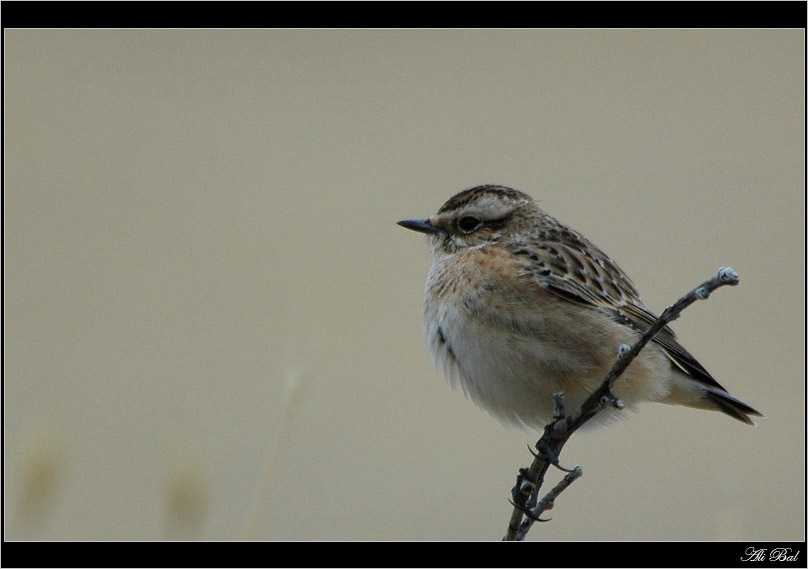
[[519, 306]]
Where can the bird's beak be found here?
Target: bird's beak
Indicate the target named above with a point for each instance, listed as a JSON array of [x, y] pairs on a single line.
[[420, 225]]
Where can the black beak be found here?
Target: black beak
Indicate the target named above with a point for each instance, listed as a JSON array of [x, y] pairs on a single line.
[[420, 225]]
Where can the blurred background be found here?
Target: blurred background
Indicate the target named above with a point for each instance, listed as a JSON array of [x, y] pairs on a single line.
[[212, 324]]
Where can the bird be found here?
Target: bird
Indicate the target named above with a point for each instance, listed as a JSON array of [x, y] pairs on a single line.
[[519, 306]]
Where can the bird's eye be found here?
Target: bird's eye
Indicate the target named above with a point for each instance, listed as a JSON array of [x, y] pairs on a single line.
[[468, 224]]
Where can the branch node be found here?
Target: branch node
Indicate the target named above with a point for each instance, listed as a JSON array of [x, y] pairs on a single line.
[[524, 485], [702, 292], [558, 406], [611, 400]]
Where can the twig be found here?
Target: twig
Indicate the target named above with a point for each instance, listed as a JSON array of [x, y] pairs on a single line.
[[558, 432], [548, 501]]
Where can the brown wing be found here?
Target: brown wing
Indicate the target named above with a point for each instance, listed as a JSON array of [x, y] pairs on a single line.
[[572, 267], [566, 264]]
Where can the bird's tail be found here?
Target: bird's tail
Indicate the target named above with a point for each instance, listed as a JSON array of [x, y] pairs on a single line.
[[687, 391], [732, 406]]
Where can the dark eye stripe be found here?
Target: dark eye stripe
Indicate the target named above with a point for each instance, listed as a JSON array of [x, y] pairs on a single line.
[[498, 223], [469, 223]]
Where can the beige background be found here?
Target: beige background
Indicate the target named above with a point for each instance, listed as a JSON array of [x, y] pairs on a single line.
[[203, 276]]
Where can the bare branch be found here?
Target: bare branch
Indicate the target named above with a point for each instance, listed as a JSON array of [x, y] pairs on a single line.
[[526, 506], [533, 513]]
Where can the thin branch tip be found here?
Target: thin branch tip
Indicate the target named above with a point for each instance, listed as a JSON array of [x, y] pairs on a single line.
[[728, 275]]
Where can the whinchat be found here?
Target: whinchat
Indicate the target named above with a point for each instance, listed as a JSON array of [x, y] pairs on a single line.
[[519, 306]]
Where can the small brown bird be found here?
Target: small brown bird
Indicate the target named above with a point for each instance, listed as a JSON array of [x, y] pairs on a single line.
[[518, 306]]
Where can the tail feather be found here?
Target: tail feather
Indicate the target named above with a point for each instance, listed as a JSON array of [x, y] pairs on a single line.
[[684, 390], [732, 406]]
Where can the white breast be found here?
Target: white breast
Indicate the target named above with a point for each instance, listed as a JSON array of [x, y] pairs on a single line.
[[510, 360]]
